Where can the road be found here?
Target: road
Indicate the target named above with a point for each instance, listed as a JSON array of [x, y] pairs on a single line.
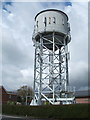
[[4, 117]]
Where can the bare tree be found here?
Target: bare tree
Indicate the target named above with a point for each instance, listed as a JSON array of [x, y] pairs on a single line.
[[26, 94]]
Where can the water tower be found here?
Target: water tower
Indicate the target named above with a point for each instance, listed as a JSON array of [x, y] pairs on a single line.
[[51, 37]]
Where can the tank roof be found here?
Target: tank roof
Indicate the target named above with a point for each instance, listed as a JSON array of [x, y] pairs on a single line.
[[51, 10]]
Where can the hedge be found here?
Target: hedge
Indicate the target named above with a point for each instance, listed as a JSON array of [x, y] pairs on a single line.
[[48, 111]]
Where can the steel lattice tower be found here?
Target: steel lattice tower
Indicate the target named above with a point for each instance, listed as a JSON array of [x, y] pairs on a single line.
[[51, 80]]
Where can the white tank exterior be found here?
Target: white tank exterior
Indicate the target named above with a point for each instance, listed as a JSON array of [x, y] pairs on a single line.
[[52, 20]]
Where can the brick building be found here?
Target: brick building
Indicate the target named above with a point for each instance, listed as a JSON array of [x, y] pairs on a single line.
[[6, 96], [82, 97]]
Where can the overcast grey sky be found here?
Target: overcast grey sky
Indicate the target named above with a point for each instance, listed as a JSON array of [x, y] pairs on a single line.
[[17, 46]]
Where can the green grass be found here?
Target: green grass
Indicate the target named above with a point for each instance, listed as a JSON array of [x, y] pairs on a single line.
[[49, 111]]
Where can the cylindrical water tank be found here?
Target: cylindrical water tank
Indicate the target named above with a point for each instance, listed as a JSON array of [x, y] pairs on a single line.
[[49, 21]]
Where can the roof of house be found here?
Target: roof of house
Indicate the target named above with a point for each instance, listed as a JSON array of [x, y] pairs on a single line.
[[8, 92], [82, 93]]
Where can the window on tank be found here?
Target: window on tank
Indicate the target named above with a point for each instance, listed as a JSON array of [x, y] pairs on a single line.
[[54, 20], [45, 21], [49, 20]]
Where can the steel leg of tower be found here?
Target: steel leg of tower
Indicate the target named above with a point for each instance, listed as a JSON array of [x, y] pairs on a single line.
[[50, 71]]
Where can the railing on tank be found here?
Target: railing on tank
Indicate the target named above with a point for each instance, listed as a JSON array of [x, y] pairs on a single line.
[[49, 28]]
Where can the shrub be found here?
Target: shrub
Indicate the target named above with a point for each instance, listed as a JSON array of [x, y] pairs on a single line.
[[48, 111], [10, 103]]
